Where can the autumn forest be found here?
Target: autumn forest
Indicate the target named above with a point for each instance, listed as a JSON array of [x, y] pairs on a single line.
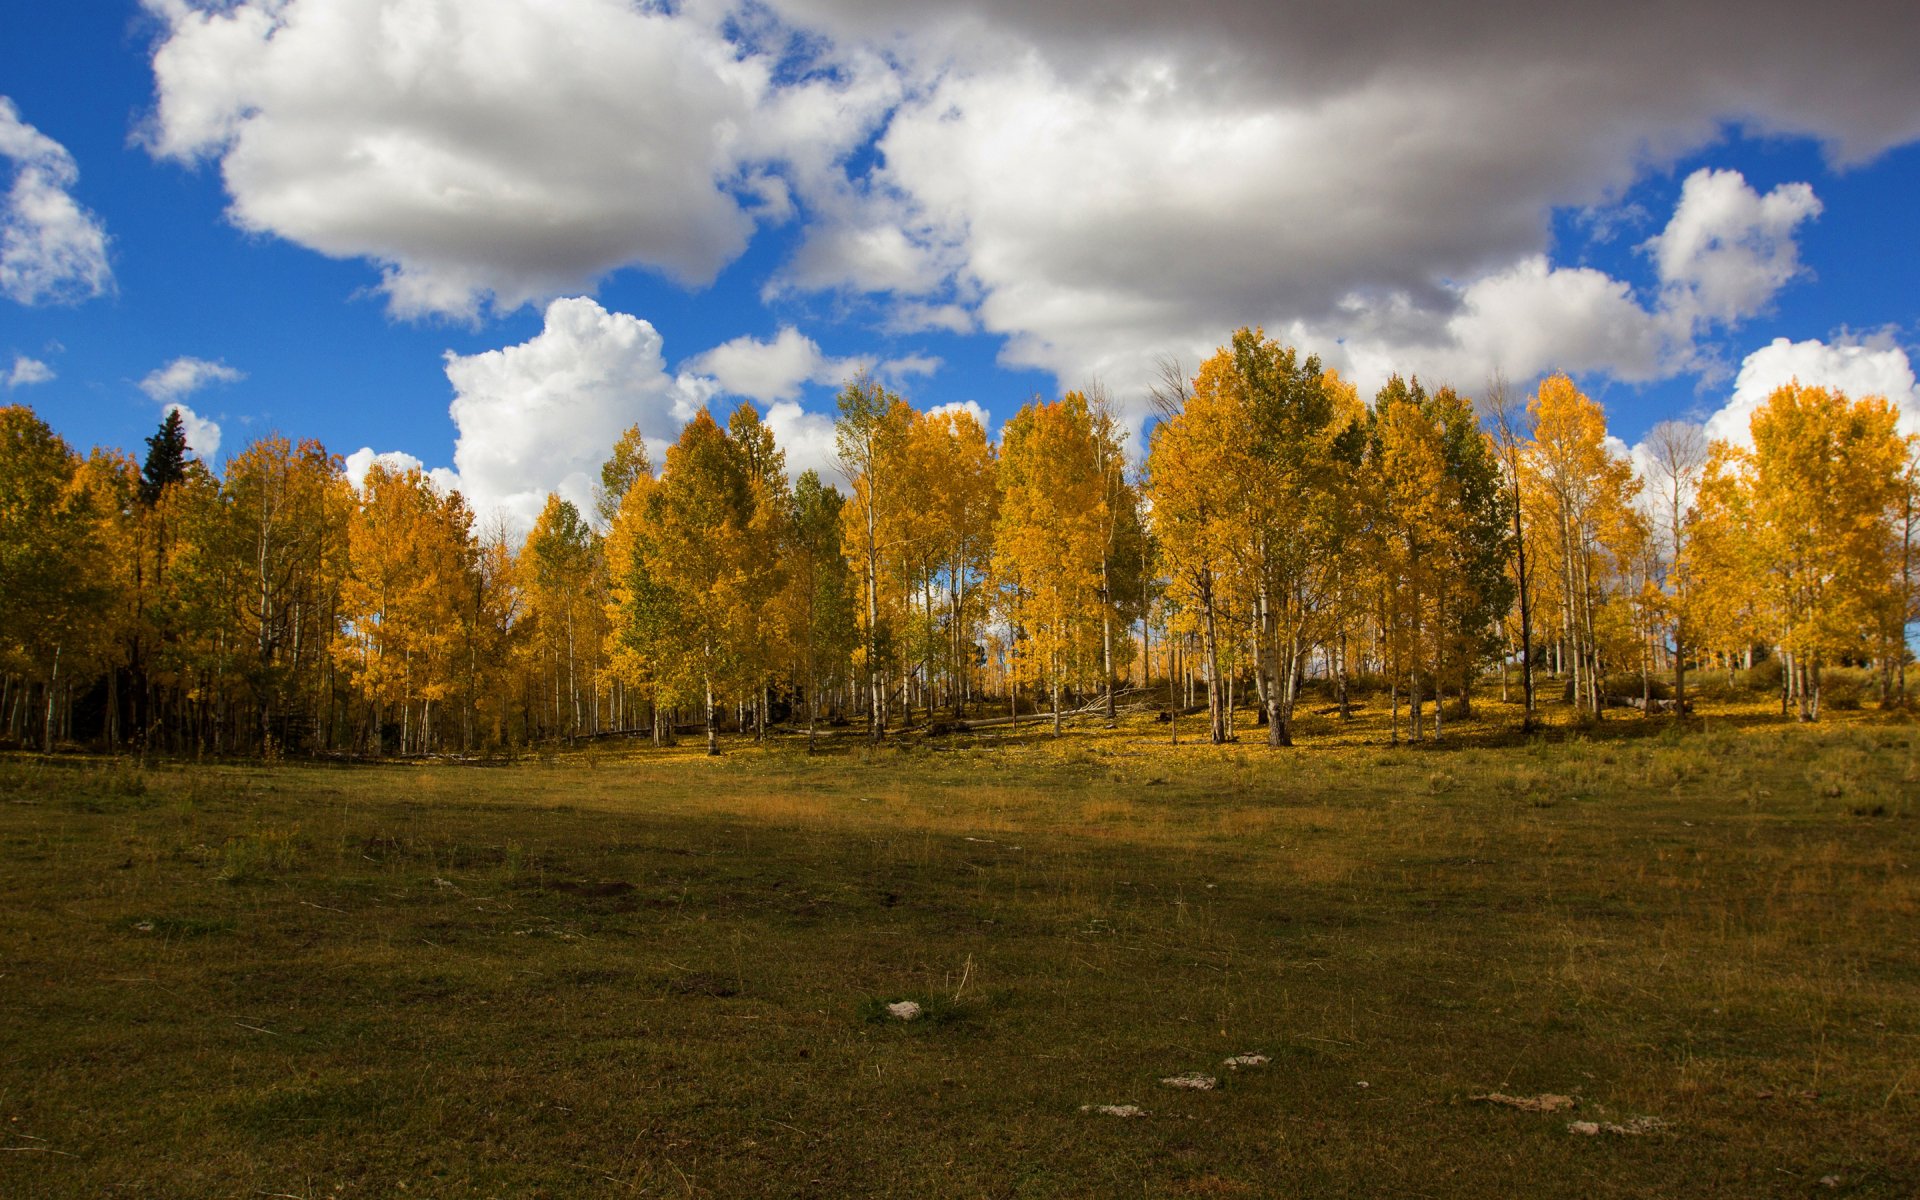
[[1280, 535]]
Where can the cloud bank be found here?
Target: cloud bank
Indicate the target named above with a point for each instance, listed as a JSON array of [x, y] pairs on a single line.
[[502, 151], [1095, 183]]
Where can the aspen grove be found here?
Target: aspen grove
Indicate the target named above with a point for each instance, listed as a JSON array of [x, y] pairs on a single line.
[[1277, 533]]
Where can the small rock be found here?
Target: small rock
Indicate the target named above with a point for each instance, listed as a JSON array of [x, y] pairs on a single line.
[[903, 1010], [1244, 1060], [1114, 1110], [1584, 1128], [1829, 1181], [1362, 1084], [1193, 1081]]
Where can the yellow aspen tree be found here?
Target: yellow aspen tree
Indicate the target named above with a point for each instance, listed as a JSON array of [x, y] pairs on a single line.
[[1122, 549], [410, 555], [1508, 434], [1302, 449], [758, 627], [639, 612], [1722, 561], [1579, 485], [113, 479], [1193, 464], [1049, 539], [58, 585], [190, 607], [964, 496], [869, 436], [819, 593], [623, 470], [1906, 522], [1632, 617], [286, 509], [1678, 453], [374, 642], [89, 539], [490, 609], [557, 561], [1822, 479], [699, 526], [1413, 498], [1352, 573], [918, 556]]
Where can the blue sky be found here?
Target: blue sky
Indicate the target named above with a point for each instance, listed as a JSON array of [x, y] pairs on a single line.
[[980, 201]]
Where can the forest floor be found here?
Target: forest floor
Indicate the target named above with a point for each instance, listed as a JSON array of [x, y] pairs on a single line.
[[1688, 963]]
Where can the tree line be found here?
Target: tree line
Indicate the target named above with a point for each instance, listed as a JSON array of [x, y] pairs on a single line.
[[1279, 533]]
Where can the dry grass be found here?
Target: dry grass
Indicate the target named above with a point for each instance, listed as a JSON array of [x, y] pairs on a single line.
[[639, 972]]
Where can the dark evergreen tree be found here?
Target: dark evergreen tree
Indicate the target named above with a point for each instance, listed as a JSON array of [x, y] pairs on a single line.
[[166, 458]]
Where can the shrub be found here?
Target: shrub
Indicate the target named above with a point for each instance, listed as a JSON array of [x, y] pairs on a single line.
[[1763, 678]]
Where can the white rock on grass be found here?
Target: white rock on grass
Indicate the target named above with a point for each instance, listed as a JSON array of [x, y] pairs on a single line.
[[1114, 1110], [1244, 1060], [903, 1010], [1193, 1081]]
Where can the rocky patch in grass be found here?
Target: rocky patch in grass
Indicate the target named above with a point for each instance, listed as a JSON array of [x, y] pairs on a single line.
[[1635, 1127], [1114, 1110], [1546, 1102]]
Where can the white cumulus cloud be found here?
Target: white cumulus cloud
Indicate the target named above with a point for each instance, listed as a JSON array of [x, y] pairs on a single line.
[[1521, 322], [28, 371], [1724, 255], [185, 375], [1870, 366], [503, 151], [1729, 250], [543, 415], [769, 371], [52, 251], [911, 364]]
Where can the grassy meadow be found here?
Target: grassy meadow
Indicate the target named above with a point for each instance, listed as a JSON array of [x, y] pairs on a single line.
[[620, 971]]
